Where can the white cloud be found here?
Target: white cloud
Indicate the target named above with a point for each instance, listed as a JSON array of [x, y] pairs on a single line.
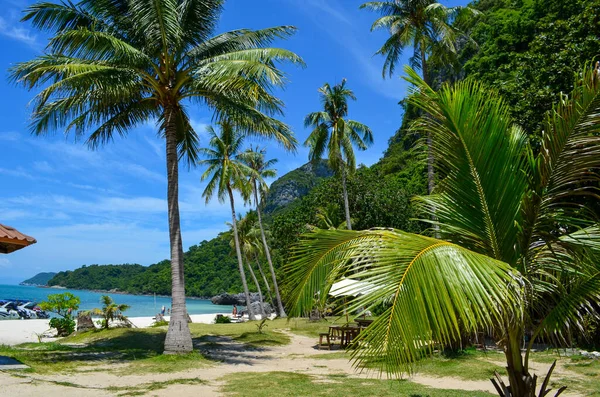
[[68, 247], [325, 6], [5, 263], [9, 136], [17, 33], [348, 36], [43, 166], [18, 172]]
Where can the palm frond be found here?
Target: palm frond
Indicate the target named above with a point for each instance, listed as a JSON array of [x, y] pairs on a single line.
[[472, 210], [436, 289]]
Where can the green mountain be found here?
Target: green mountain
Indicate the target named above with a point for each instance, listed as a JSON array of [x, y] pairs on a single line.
[[40, 279], [295, 185]]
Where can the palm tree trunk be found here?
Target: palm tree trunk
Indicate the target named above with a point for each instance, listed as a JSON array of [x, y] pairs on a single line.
[[280, 309], [260, 295], [346, 205], [521, 382], [262, 274], [179, 338], [430, 172], [239, 256]]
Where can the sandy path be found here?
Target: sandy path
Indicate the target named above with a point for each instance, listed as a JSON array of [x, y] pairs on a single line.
[[233, 358]]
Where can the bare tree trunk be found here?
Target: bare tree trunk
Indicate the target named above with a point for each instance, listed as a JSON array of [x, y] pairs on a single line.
[[346, 204], [179, 338], [280, 309], [260, 295], [262, 273], [430, 159], [521, 382], [239, 256]]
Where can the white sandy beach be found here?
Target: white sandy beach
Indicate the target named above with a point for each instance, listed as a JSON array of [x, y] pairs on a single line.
[[14, 332]]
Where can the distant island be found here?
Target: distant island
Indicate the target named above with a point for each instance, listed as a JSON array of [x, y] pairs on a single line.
[[39, 280]]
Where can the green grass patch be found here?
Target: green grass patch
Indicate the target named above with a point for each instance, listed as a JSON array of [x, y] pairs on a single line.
[[302, 326], [266, 338], [469, 366], [294, 384]]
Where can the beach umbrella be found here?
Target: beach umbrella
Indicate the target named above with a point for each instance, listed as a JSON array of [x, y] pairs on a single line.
[[350, 287], [12, 240]]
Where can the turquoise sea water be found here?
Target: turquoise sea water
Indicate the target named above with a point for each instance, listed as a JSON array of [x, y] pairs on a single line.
[[140, 305]]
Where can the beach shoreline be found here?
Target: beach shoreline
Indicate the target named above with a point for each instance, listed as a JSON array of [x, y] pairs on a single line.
[[15, 332]]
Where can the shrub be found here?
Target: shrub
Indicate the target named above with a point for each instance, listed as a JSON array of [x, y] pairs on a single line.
[[64, 326], [222, 320]]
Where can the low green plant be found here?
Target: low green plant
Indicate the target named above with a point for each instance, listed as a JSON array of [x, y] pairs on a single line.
[[110, 311], [262, 324]]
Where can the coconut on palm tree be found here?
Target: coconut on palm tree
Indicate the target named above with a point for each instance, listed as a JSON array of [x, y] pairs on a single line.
[[517, 245], [336, 135], [111, 66], [227, 172], [262, 169], [424, 25]]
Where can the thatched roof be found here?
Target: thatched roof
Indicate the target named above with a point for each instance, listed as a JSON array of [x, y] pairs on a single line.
[[11, 239]]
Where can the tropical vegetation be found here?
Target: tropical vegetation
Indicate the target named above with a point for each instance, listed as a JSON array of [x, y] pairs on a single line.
[[64, 305], [334, 134], [113, 65], [519, 260], [109, 312]]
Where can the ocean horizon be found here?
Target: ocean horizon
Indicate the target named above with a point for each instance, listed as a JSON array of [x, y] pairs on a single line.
[[139, 305]]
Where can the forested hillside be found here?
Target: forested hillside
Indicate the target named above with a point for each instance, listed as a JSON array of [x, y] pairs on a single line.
[[209, 268], [528, 50], [39, 279]]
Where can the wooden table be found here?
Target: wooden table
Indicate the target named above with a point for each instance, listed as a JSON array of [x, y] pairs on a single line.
[[348, 335], [363, 323]]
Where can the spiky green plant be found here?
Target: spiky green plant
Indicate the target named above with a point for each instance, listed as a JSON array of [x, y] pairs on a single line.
[[336, 135], [113, 65], [110, 311], [518, 248]]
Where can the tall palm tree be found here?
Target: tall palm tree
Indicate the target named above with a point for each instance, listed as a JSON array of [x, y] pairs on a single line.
[[228, 172], [517, 249], [256, 248], [424, 25], [112, 65], [336, 135], [262, 170], [248, 249]]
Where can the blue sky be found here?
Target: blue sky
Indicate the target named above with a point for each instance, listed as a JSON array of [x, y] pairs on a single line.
[[109, 205]]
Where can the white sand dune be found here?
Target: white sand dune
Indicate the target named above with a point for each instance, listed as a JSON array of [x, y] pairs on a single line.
[[14, 332]]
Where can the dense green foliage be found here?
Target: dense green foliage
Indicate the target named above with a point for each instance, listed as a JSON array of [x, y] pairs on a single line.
[[39, 279], [531, 50], [376, 199], [98, 277]]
